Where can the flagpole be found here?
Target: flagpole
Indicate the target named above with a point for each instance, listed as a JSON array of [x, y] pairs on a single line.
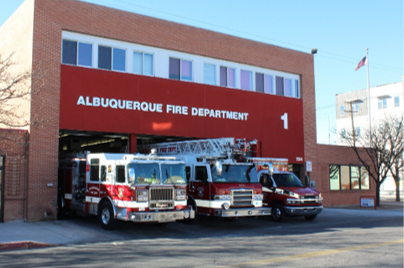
[[367, 64]]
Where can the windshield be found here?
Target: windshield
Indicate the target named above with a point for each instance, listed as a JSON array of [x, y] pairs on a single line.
[[143, 173], [173, 173], [287, 180], [235, 174]]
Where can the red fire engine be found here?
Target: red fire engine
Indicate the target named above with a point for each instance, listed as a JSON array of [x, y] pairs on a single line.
[[283, 191], [137, 188], [218, 185]]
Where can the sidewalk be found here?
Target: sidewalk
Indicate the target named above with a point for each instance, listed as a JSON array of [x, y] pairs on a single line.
[[27, 235]]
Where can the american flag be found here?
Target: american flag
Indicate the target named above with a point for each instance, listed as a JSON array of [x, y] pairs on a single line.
[[361, 63]]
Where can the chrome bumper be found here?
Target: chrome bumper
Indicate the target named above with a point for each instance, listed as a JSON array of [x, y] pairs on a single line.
[[242, 212], [161, 216], [303, 211]]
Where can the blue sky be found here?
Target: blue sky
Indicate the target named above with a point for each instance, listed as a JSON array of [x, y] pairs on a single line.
[[341, 30]]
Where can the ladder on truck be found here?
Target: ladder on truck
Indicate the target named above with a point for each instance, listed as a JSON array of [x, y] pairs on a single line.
[[206, 148]]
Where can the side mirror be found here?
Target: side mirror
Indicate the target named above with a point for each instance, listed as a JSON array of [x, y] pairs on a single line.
[[218, 168]]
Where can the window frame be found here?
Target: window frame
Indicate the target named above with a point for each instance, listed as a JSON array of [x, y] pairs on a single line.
[[227, 76], [250, 78], [143, 62], [214, 72], [181, 60], [362, 170]]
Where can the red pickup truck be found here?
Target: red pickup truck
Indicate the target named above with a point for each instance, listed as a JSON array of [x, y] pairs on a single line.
[[287, 196]]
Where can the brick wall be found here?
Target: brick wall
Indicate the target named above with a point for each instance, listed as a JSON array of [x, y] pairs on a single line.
[[13, 149], [337, 155]]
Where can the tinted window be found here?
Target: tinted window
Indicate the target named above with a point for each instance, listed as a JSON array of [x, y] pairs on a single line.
[[120, 174], [69, 52], [104, 57], [287, 180], [95, 170]]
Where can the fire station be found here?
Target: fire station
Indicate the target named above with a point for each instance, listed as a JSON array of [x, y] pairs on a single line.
[[113, 80]]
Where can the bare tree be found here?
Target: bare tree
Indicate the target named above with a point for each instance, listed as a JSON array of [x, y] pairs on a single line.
[[382, 147], [15, 94]]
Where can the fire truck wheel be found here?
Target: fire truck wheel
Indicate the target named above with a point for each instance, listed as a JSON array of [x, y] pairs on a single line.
[[277, 212], [310, 218], [106, 216]]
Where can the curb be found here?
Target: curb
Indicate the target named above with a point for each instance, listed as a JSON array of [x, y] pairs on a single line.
[[23, 245]]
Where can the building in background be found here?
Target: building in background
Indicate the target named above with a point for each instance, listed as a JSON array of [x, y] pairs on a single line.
[[385, 101], [116, 79]]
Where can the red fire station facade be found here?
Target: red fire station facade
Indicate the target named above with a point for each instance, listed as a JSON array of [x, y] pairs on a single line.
[[112, 80]]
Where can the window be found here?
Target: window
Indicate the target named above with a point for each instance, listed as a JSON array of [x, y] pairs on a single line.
[[355, 107], [111, 57], [77, 53], [345, 182], [382, 103], [103, 173], [209, 74], [357, 131], [297, 91], [264, 83], [180, 69], [94, 170], [69, 52], [143, 63], [344, 177], [355, 176], [279, 86], [246, 80], [201, 174], [334, 177], [227, 77], [342, 110], [396, 101], [288, 87], [120, 174]]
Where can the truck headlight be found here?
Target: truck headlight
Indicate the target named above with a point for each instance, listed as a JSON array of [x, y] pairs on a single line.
[[142, 195], [222, 197], [258, 197], [292, 194], [180, 194]]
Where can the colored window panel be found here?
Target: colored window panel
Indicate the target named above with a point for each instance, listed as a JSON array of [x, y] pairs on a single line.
[[269, 84], [85, 54], [174, 69], [186, 70], [69, 52], [137, 63], [148, 64], [246, 80], [288, 87], [209, 74], [223, 76], [279, 86], [119, 59], [104, 57], [259, 82]]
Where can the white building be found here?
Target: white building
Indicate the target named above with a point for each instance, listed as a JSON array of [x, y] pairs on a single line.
[[385, 100]]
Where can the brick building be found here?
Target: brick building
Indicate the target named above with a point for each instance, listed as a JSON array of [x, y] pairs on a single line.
[[111, 84]]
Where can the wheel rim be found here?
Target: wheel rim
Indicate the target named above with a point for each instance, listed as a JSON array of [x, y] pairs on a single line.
[[277, 213], [105, 216]]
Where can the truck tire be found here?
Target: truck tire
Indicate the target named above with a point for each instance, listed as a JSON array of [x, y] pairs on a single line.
[[277, 213], [106, 216], [311, 217]]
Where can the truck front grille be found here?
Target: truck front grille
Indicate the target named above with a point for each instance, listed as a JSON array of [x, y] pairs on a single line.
[[161, 197], [309, 199], [242, 197]]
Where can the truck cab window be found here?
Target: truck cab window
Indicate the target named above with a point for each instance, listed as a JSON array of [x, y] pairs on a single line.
[[94, 170], [188, 173], [103, 173], [201, 174], [120, 174]]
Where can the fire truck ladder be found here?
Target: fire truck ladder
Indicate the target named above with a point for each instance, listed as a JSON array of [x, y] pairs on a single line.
[[207, 148]]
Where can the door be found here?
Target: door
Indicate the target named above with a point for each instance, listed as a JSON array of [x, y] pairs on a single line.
[[1, 188], [199, 188]]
